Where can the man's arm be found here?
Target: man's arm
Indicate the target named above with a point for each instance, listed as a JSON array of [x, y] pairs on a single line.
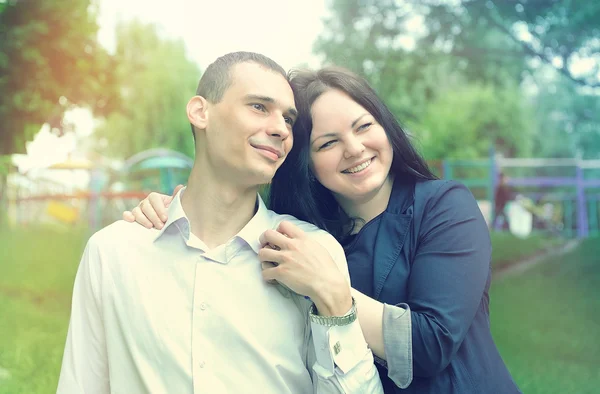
[[341, 360], [85, 365]]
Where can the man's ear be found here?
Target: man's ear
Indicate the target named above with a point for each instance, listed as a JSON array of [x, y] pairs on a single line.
[[197, 112]]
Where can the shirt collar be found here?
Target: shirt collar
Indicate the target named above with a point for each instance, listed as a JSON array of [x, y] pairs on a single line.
[[175, 214], [250, 233], [260, 222]]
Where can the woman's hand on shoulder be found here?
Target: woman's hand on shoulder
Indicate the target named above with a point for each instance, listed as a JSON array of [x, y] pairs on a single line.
[[152, 210], [291, 257]]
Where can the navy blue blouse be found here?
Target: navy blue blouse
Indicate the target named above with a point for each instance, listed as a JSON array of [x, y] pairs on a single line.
[[431, 250]]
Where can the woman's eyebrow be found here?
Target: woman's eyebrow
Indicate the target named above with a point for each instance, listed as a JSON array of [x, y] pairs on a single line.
[[335, 134], [358, 119], [325, 135]]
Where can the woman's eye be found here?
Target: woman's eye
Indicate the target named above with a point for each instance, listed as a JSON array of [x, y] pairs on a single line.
[[289, 120], [364, 126], [327, 144]]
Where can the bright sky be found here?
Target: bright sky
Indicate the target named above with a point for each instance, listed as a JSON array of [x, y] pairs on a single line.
[[281, 29]]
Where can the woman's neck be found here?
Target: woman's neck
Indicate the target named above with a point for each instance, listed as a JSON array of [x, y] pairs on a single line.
[[368, 207]]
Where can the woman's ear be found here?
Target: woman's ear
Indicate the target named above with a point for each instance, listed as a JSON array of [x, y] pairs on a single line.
[[197, 112]]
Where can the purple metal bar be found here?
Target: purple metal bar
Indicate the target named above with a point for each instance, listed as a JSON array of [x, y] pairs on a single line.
[[494, 171], [548, 196], [591, 182], [543, 181], [582, 223]]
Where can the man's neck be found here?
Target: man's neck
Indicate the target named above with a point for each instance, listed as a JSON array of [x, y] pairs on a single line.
[[217, 210]]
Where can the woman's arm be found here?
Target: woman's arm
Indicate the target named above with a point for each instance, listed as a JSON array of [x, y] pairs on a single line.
[[448, 276], [387, 330], [370, 315]]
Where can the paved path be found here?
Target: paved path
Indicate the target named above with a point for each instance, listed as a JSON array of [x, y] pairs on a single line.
[[524, 265]]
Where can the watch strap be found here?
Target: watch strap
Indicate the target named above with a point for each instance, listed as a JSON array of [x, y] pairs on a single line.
[[331, 321]]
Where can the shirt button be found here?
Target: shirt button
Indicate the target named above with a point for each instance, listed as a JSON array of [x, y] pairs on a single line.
[[203, 306], [202, 364]]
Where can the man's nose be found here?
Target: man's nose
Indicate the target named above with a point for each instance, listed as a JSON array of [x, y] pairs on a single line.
[[279, 128]]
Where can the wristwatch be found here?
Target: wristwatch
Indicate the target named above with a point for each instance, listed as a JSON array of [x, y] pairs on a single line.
[[330, 321]]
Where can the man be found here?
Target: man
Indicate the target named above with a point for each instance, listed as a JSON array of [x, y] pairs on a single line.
[[187, 309], [502, 196]]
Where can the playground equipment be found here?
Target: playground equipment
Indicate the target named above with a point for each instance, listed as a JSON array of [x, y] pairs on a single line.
[[105, 192], [562, 194], [151, 170], [172, 167]]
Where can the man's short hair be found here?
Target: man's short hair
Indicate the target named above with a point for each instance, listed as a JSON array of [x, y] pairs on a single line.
[[217, 77]]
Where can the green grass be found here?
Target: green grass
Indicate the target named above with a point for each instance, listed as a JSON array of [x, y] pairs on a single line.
[[545, 321], [37, 269], [508, 249]]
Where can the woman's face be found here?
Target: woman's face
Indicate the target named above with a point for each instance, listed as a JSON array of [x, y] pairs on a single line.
[[350, 152]]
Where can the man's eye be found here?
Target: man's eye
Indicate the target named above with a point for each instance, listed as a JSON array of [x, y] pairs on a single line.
[[289, 120], [258, 107]]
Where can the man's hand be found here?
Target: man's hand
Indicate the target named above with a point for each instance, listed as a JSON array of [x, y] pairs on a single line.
[[152, 210], [306, 267]]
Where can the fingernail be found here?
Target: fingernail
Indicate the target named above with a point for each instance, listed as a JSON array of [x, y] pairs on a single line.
[[163, 218]]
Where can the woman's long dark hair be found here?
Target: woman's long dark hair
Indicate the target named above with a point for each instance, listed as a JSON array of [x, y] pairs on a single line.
[[295, 190]]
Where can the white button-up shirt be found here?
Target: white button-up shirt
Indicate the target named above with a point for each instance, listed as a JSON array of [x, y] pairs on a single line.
[[159, 312]]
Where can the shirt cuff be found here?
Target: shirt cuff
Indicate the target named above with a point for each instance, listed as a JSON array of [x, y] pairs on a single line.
[[339, 346], [397, 343]]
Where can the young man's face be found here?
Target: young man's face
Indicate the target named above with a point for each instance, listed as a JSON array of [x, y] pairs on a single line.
[[249, 132]]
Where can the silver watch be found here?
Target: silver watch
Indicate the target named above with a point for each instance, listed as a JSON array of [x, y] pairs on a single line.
[[330, 321]]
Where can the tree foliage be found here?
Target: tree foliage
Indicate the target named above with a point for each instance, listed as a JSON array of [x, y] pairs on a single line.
[[156, 81], [555, 32], [454, 70], [465, 122], [568, 119], [49, 61]]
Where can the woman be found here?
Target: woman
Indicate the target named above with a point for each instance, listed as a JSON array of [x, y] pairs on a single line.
[[418, 249]]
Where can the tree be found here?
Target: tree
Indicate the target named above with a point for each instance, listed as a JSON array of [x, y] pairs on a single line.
[[465, 122], [369, 38], [434, 62], [49, 61], [449, 113], [156, 81], [554, 32], [568, 119]]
